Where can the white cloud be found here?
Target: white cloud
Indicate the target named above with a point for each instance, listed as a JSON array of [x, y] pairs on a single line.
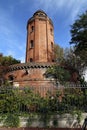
[[22, 59], [11, 35], [14, 38], [72, 8]]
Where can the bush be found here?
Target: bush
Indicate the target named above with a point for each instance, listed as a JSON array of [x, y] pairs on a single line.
[[11, 120]]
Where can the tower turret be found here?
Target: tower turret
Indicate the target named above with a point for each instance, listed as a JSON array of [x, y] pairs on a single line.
[[40, 38]]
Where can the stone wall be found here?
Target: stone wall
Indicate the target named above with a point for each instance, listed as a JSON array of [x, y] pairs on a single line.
[[30, 128], [62, 121]]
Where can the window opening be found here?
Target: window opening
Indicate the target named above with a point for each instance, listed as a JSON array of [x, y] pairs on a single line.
[[52, 46], [51, 31], [32, 28], [11, 78], [31, 44], [31, 60]]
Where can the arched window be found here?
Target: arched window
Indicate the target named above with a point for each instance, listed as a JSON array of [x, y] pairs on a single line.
[[11, 78]]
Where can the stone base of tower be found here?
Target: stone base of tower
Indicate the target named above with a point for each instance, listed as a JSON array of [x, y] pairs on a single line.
[[31, 75]]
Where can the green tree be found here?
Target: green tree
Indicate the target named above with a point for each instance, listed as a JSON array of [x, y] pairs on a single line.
[[74, 63], [9, 100], [79, 36], [5, 61], [71, 60], [58, 53], [2, 78], [59, 73], [8, 60]]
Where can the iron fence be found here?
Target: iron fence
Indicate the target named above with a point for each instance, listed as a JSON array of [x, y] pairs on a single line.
[[44, 101], [57, 98]]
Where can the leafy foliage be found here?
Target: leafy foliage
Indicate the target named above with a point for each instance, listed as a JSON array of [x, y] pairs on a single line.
[[9, 100], [79, 36], [5, 61], [21, 102], [58, 53], [74, 64], [8, 60], [71, 60], [11, 120], [59, 73]]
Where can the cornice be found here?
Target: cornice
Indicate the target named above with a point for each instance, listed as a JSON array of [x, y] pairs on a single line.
[[29, 65]]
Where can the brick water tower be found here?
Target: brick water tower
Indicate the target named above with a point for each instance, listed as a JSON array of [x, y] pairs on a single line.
[[39, 55], [40, 38]]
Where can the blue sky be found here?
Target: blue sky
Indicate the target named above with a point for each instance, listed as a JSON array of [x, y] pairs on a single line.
[[14, 15]]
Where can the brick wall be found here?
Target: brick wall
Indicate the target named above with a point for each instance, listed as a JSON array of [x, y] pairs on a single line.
[[34, 78], [43, 38]]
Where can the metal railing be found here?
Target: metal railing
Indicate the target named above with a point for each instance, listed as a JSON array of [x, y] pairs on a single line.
[[24, 99], [44, 101]]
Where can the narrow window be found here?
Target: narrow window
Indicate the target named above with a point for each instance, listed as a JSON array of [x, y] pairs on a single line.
[[31, 44], [51, 31], [32, 28], [52, 46], [11, 78], [31, 60]]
